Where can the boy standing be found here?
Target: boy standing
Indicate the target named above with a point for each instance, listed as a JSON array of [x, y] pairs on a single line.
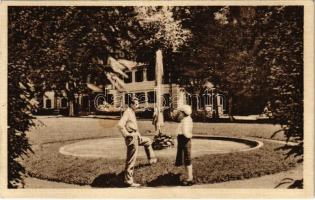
[[183, 156]]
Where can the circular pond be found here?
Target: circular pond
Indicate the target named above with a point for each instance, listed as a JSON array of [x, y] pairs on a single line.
[[116, 148]]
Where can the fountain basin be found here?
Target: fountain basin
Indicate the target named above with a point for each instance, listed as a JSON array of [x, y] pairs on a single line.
[[116, 148]]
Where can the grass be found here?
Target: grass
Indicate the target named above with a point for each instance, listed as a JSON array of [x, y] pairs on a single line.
[[47, 163], [67, 129]]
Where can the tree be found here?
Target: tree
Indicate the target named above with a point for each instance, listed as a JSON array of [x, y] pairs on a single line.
[[219, 49], [164, 32], [282, 53], [52, 48], [247, 52], [60, 48], [255, 52], [21, 103], [225, 49]]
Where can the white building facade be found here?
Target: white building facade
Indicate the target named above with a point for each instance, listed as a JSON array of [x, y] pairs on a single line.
[[141, 84]]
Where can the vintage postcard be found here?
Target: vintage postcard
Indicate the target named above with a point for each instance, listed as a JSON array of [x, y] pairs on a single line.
[[157, 99]]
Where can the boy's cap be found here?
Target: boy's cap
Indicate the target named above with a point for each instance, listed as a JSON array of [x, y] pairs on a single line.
[[130, 126], [186, 109]]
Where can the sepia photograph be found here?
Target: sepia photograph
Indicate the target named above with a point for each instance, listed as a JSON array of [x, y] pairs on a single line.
[[141, 98]]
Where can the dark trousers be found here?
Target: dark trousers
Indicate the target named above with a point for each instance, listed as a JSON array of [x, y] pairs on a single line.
[[183, 156]]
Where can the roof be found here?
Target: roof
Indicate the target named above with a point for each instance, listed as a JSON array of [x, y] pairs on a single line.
[[131, 64]]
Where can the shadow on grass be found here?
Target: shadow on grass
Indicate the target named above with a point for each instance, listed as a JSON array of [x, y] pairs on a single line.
[[109, 180], [169, 179], [112, 179], [294, 184]]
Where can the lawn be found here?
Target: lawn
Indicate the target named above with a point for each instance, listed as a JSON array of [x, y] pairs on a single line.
[[47, 163], [51, 129]]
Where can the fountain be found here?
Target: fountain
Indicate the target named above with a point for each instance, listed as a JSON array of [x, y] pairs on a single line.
[[160, 140], [203, 145]]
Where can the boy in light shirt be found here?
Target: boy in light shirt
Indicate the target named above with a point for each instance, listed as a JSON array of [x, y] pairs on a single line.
[[184, 135]]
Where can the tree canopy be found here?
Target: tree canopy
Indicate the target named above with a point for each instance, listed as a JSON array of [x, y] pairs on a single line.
[[249, 53], [63, 48]]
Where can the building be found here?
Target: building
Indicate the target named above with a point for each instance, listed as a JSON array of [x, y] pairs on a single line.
[[53, 104], [141, 84]]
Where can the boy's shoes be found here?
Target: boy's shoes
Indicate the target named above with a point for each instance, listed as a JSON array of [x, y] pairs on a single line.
[[133, 185], [188, 183], [153, 161]]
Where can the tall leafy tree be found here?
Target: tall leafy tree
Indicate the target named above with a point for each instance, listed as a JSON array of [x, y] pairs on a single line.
[[249, 52], [282, 53], [61, 48], [255, 52], [55, 48]]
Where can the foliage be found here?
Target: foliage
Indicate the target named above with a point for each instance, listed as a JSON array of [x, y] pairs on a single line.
[[254, 54], [68, 44], [282, 52], [47, 47], [72, 44], [51, 46], [20, 105], [166, 32], [63, 48], [257, 53], [160, 29], [247, 52]]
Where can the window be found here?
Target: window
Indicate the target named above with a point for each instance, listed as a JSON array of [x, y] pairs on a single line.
[[166, 77], [220, 100], [100, 100], [139, 75], [64, 102], [166, 99], [141, 97], [129, 79], [48, 103], [207, 99], [110, 98], [128, 98], [195, 104], [150, 73], [151, 97], [188, 99]]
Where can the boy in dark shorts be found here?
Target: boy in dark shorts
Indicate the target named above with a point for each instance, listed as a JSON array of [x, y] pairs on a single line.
[[183, 156]]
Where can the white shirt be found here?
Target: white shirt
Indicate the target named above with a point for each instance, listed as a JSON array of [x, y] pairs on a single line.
[[129, 115], [185, 127]]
